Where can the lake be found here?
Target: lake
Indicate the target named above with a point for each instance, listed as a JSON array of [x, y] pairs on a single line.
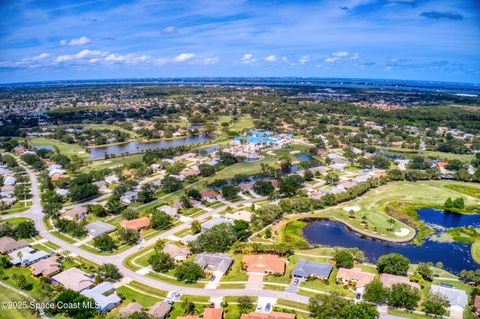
[[137, 147], [454, 256]]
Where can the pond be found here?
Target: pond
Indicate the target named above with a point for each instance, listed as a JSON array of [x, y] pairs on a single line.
[[455, 256], [43, 147], [137, 147], [448, 220], [304, 158]]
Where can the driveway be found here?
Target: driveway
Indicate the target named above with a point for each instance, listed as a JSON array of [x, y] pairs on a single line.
[[294, 284], [255, 281]]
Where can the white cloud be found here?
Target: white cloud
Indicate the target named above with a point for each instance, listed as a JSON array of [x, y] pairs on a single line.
[[170, 30], [271, 58], [83, 40], [341, 56], [182, 57], [92, 57], [304, 59], [208, 61], [248, 58], [285, 59]]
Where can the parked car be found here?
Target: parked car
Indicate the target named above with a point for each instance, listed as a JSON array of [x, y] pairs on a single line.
[[212, 278], [268, 306]]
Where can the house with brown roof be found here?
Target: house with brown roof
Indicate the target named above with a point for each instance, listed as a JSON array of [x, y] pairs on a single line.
[[266, 264], [136, 224], [270, 315], [209, 195], [57, 177], [130, 309], [476, 305], [160, 310], [176, 252], [356, 277], [389, 280], [77, 213], [8, 244], [208, 313], [46, 267], [73, 279]]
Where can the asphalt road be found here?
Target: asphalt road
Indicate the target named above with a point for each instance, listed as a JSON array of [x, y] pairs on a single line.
[[35, 213]]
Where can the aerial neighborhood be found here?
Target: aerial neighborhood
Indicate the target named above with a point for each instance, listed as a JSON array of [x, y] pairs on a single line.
[[248, 202]]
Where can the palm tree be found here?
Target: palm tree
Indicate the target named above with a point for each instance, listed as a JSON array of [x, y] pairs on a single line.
[[285, 162], [20, 255]]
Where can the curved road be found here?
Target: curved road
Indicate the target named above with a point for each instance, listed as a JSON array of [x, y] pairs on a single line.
[[35, 213]]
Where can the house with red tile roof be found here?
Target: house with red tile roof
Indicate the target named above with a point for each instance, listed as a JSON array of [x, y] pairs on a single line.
[[267, 264], [136, 224]]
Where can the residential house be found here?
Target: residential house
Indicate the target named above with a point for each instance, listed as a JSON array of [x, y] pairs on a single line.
[[104, 296], [176, 252], [111, 179], [208, 313], [266, 264], [361, 178], [26, 256], [160, 310], [58, 177], [74, 279], [136, 224], [77, 213], [190, 171], [99, 228], [457, 299], [214, 262], [169, 210], [213, 313], [214, 222], [240, 215], [8, 244], [9, 181], [305, 269], [209, 195], [246, 187], [62, 192], [355, 276], [270, 315], [46, 267], [389, 280], [129, 197], [130, 309]]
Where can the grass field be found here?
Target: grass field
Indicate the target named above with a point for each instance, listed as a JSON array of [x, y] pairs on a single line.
[[112, 162], [7, 295], [464, 189], [245, 122], [432, 154], [66, 149], [372, 205], [476, 251]]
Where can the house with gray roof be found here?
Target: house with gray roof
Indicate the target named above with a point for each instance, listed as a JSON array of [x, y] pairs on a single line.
[[306, 268], [99, 228], [27, 256], [214, 222], [104, 296], [456, 298], [214, 262]]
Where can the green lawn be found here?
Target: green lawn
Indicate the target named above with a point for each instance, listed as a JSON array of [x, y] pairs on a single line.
[[432, 154], [292, 233], [476, 251], [405, 314], [465, 189], [64, 148], [7, 295], [130, 295], [110, 163], [32, 288], [15, 221], [236, 273]]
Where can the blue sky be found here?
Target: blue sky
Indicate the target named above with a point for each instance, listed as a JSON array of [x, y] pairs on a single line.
[[86, 39]]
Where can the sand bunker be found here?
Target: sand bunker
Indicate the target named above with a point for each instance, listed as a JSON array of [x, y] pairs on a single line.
[[351, 208], [402, 233], [294, 152]]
